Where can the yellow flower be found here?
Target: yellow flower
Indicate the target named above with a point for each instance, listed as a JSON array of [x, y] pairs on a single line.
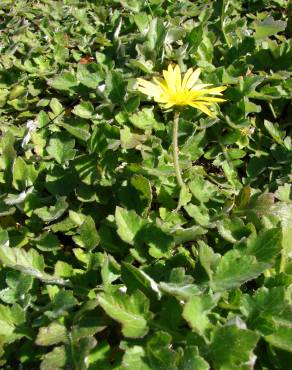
[[172, 90]]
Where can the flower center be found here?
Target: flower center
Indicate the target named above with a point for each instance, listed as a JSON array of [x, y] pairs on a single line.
[[180, 97]]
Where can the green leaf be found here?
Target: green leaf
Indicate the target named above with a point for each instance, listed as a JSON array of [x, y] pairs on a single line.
[[10, 319], [48, 242], [135, 278], [61, 148], [234, 269], [159, 352], [131, 311], [274, 131], [156, 34], [61, 54], [81, 350], [192, 360], [145, 120], [249, 84], [184, 197], [24, 175], [183, 235], [29, 262], [88, 321], [85, 166], [141, 20], [208, 258], [231, 175], [60, 181], [196, 312], [282, 331], [158, 240], [15, 256], [56, 106], [264, 301], [134, 5], [179, 290], [265, 246], [256, 255], [199, 214], [195, 36], [84, 110], [4, 238], [130, 140], [88, 237], [232, 347], [14, 315], [231, 229], [62, 302], [18, 287], [284, 193], [52, 213], [143, 187], [137, 195], [134, 359], [19, 104], [132, 104], [65, 81], [99, 356], [194, 145], [78, 132], [129, 224], [53, 334], [115, 87], [202, 189], [180, 285], [110, 271], [63, 269], [89, 75], [56, 359], [268, 27], [17, 91]]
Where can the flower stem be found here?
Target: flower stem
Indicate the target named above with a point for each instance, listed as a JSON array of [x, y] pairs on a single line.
[[175, 149]]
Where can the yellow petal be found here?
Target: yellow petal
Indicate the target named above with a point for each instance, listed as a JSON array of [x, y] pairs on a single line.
[[169, 77], [177, 78], [168, 72], [161, 99], [193, 78], [202, 107], [143, 90], [207, 103], [161, 83], [171, 69], [141, 81], [145, 83], [186, 77], [200, 86], [211, 99], [172, 90], [149, 87], [168, 105], [194, 94], [215, 90]]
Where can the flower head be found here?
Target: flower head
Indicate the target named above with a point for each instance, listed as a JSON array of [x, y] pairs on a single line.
[[173, 90]]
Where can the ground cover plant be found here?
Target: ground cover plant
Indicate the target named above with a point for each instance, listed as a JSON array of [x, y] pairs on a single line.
[[107, 262]]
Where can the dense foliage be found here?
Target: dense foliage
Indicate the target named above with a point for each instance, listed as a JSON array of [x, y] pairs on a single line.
[[105, 263]]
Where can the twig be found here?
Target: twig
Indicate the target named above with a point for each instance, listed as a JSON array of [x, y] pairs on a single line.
[[175, 149]]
